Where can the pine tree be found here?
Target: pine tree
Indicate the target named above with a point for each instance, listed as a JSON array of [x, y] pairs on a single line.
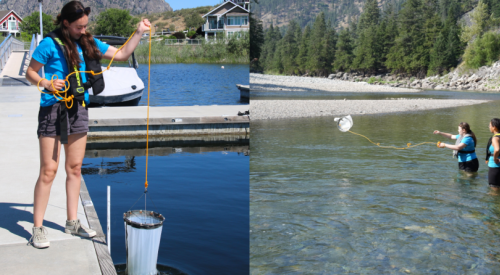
[[343, 52], [316, 63], [367, 54], [304, 50], [290, 49]]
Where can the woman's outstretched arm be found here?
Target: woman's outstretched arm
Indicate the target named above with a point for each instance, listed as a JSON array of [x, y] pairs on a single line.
[[446, 135], [128, 49]]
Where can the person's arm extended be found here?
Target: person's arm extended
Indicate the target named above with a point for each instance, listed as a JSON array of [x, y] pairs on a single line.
[[453, 147], [496, 152], [128, 49], [33, 77], [446, 135]]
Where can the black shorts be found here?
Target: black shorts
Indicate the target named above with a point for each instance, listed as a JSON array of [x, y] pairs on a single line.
[[469, 166], [494, 176], [49, 117]]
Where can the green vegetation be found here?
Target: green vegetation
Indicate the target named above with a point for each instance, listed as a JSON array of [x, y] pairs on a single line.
[[31, 25], [229, 51], [419, 38], [115, 22]]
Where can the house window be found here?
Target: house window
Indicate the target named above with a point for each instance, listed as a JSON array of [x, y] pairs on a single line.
[[4, 25], [237, 20], [12, 25]]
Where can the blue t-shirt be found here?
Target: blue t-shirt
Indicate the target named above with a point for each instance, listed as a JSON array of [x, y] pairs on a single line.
[[49, 54], [491, 162], [469, 142]]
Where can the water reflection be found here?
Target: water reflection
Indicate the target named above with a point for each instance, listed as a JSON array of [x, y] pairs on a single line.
[[327, 202], [202, 192]]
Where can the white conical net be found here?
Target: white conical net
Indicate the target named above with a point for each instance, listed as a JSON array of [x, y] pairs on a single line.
[[344, 123]]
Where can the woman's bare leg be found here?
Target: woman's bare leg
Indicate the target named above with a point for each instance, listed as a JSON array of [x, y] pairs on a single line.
[[50, 148], [74, 151]]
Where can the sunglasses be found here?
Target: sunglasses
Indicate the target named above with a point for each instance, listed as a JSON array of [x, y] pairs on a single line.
[[86, 10]]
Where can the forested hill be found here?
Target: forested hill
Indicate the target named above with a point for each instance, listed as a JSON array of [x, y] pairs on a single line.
[[53, 7], [339, 12]]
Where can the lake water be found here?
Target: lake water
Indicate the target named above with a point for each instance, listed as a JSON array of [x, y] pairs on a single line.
[[193, 84], [201, 191], [328, 202]]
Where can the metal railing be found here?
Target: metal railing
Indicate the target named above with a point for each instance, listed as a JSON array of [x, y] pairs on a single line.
[[183, 41], [212, 26], [9, 29], [9, 45]]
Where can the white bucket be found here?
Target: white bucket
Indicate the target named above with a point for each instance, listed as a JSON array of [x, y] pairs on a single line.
[[344, 123], [142, 241]]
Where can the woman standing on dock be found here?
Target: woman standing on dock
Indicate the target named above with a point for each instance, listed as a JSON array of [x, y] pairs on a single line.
[[464, 148], [493, 155], [69, 48]]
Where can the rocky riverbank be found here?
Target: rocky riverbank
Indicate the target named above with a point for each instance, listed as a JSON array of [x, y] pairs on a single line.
[[486, 78]]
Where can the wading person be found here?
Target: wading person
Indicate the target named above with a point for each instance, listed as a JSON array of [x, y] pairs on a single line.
[[67, 49], [493, 155], [464, 148]]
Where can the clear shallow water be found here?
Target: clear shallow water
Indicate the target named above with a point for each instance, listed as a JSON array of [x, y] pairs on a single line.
[[328, 202], [193, 84], [203, 196]]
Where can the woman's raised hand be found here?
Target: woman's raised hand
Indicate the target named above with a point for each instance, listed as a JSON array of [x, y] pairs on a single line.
[[436, 132], [144, 26]]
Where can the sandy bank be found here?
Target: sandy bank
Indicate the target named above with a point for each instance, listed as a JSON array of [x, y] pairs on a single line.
[[298, 83], [279, 109]]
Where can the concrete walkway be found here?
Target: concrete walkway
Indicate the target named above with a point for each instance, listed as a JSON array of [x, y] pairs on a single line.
[[19, 167]]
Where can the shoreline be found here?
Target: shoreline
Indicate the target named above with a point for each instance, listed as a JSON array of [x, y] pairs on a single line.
[[283, 109], [263, 82]]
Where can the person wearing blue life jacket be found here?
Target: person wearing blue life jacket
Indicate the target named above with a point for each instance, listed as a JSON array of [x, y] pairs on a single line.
[[464, 148], [493, 154], [68, 49]]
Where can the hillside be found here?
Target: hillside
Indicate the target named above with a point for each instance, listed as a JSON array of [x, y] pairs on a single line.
[[167, 19], [53, 7], [339, 12]]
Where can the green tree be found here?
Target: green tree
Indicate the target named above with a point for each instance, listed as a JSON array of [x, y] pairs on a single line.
[[256, 37], [304, 50], [367, 53], [31, 24], [290, 49], [480, 21], [115, 22], [316, 63], [193, 20], [343, 52]]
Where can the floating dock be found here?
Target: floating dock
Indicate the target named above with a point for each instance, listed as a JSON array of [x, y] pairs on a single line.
[[20, 164], [244, 91]]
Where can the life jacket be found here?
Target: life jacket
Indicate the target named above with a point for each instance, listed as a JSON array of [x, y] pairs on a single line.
[[488, 153], [77, 88]]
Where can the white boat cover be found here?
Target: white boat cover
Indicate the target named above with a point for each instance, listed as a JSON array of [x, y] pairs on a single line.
[[121, 83]]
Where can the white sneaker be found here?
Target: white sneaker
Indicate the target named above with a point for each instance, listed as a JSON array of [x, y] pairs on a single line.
[[74, 227], [39, 239]]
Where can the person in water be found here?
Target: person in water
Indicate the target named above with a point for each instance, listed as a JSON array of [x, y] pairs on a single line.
[[464, 148], [493, 155], [68, 48]]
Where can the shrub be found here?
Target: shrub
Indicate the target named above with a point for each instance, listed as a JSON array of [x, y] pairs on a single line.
[[179, 35], [483, 51]]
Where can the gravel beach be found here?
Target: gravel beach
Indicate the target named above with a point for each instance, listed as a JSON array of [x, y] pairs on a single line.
[[280, 109], [298, 83]]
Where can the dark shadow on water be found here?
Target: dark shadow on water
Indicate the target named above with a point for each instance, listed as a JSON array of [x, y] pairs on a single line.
[[11, 217]]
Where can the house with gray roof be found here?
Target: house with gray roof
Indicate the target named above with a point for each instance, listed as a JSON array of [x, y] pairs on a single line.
[[229, 18]]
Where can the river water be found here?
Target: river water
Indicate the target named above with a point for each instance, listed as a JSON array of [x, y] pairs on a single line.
[[193, 84], [327, 202], [201, 191]]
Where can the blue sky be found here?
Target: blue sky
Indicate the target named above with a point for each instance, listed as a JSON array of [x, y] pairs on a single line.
[[186, 4]]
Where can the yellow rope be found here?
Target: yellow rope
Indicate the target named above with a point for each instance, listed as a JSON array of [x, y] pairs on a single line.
[[147, 122], [393, 147], [69, 99]]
